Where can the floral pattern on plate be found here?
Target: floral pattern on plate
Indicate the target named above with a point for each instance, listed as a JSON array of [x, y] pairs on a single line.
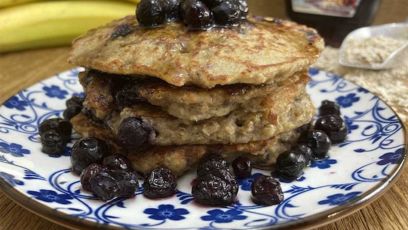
[[357, 168]]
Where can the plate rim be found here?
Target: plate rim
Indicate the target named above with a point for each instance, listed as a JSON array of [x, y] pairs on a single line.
[[312, 221]]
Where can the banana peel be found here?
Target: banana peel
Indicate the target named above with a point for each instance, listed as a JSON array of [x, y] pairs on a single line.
[[55, 23], [8, 3], [4, 3]]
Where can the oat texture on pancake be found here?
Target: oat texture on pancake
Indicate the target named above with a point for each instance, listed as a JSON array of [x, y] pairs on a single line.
[[187, 84], [261, 50]]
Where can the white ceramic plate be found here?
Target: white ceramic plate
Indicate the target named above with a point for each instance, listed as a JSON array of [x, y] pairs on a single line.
[[357, 171]]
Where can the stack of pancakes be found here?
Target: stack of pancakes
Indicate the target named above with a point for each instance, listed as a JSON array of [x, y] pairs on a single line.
[[237, 91]]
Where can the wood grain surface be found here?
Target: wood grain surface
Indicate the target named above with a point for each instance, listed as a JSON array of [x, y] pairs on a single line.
[[20, 70]]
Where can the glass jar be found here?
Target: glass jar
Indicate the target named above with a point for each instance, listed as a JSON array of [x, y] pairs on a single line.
[[334, 19]]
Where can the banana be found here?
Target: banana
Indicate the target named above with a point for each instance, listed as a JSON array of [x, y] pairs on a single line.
[[7, 3], [4, 3], [134, 1], [46, 24]]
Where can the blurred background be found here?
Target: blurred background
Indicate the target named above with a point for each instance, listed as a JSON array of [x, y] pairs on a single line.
[[29, 24]]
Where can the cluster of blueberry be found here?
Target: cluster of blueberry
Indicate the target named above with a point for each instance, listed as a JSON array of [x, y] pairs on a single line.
[[195, 14], [55, 133], [216, 184], [314, 142], [108, 176]]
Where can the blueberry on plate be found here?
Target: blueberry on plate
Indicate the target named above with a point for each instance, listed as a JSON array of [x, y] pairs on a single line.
[[61, 126], [227, 13], [334, 126], [74, 106], [117, 162], [150, 13], [215, 191], [266, 191], [303, 132], [319, 142], [160, 183], [87, 151], [104, 185], [242, 167], [88, 173], [329, 108], [225, 174], [211, 163], [290, 164], [134, 133], [305, 150], [127, 182], [196, 15], [53, 143]]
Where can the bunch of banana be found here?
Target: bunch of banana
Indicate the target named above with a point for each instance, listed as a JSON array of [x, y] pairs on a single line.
[[38, 24]]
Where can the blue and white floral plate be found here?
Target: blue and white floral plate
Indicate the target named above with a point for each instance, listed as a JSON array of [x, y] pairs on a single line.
[[357, 172]]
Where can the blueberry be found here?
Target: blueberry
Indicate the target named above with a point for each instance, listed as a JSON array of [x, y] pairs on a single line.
[[329, 108], [266, 191], [64, 128], [171, 7], [305, 150], [196, 15], [104, 185], [74, 101], [122, 31], [53, 142], [117, 162], [127, 96], [74, 106], [71, 112], [213, 190], [319, 142], [290, 164], [227, 13], [159, 183], [334, 126], [127, 182], [243, 8], [134, 133], [87, 151], [303, 132], [242, 167], [150, 13], [212, 3], [227, 175], [211, 163], [88, 173], [107, 184]]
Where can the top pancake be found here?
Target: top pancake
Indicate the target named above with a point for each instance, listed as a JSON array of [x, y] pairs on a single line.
[[259, 51]]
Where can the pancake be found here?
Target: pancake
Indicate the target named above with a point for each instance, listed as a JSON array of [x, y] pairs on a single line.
[[182, 158], [186, 103], [237, 127], [262, 50]]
